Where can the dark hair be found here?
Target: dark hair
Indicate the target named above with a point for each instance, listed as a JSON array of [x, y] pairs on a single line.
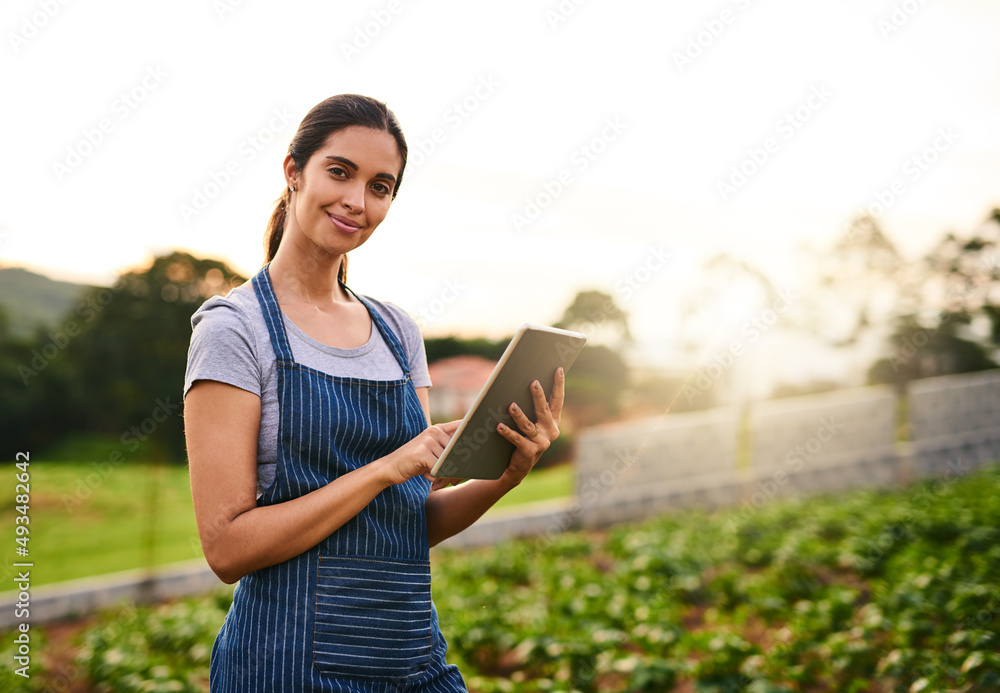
[[326, 118]]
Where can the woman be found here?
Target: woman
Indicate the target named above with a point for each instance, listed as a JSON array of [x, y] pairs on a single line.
[[309, 440]]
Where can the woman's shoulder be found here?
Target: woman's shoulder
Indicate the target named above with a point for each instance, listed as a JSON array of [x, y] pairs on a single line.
[[238, 307]]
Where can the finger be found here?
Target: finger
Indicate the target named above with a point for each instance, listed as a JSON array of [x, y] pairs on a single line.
[[442, 433], [441, 481], [542, 412], [558, 395], [526, 425], [522, 443]]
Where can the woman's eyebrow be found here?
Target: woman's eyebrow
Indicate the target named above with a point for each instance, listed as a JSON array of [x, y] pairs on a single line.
[[353, 166], [347, 162]]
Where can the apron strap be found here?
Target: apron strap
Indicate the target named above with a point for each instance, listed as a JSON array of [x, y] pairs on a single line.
[[279, 337], [387, 334], [272, 315]]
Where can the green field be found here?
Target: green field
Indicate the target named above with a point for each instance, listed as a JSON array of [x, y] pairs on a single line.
[[87, 521], [94, 517], [867, 591]]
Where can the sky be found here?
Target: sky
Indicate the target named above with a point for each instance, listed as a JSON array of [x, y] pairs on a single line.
[[555, 146]]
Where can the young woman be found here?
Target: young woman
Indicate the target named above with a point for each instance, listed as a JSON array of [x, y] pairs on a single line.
[[309, 440]]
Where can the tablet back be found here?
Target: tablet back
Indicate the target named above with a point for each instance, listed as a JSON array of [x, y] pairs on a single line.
[[477, 450]]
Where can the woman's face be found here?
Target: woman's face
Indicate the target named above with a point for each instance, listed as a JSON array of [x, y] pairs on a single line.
[[345, 189]]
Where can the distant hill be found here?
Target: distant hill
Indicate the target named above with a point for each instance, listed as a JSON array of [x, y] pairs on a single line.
[[31, 300]]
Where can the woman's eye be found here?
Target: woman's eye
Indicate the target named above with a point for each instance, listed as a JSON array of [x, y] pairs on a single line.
[[337, 171], [381, 188]]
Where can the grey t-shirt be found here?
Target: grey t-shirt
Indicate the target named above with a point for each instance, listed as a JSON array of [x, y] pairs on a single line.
[[230, 343]]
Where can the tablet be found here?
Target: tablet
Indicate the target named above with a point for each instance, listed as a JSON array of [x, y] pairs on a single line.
[[477, 450]]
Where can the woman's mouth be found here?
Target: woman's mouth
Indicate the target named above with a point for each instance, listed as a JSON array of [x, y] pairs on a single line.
[[343, 225]]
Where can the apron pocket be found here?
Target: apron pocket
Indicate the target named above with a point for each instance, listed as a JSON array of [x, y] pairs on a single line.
[[373, 618]]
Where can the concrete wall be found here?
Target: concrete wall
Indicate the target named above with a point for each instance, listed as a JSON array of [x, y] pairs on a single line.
[[798, 445], [824, 442], [680, 459], [955, 418]]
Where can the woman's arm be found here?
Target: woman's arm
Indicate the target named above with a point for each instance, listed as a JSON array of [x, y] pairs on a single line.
[[221, 424], [451, 510]]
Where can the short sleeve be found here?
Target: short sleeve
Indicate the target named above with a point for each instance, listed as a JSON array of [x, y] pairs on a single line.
[[223, 347]]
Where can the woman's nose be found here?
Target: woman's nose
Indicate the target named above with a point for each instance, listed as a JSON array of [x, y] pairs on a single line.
[[354, 198]]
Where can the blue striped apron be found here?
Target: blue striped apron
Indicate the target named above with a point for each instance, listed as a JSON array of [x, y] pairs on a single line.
[[354, 613]]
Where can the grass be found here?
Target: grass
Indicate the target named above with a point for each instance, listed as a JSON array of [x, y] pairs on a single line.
[[86, 523], [91, 517], [541, 485]]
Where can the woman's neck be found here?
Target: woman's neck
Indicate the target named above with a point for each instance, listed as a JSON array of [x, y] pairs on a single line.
[[310, 277]]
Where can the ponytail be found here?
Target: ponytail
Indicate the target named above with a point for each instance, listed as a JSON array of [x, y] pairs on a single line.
[[276, 225]]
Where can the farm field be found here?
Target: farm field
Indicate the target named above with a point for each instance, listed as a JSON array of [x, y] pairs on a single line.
[[862, 591], [93, 518]]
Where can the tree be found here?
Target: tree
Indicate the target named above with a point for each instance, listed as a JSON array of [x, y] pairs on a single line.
[[130, 359], [950, 321], [597, 314], [439, 348], [599, 377], [36, 393], [863, 285]]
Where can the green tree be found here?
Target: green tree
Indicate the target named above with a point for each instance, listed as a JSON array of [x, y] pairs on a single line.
[[596, 314], [949, 321], [920, 351], [600, 376], [36, 393], [131, 357], [445, 347]]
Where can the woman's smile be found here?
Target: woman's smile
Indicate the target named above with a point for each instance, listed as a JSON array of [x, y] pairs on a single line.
[[343, 224]]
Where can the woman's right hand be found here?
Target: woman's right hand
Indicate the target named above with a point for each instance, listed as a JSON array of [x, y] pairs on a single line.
[[419, 455]]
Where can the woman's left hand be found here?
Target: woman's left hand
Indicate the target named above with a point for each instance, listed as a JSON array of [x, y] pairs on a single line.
[[532, 439]]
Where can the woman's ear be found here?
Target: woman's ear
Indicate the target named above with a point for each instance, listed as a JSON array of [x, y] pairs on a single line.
[[291, 173]]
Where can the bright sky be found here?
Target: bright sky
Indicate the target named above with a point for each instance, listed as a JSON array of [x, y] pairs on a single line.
[[620, 121]]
